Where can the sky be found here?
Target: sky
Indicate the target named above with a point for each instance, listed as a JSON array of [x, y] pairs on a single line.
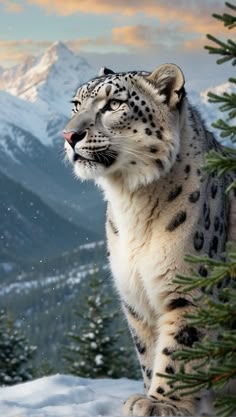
[[125, 34]]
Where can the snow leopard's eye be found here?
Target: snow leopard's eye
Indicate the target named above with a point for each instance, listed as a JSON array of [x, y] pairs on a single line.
[[77, 105], [114, 104]]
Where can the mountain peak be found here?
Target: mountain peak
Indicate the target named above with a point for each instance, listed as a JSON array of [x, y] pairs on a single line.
[[59, 46], [50, 78], [58, 50]]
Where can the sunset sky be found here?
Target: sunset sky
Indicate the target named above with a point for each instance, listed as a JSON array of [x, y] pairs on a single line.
[[125, 34]]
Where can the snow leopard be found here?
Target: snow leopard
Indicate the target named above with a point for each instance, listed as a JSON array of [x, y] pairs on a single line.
[[138, 137]]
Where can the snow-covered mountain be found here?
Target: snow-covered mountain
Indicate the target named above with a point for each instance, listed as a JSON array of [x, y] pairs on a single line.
[[35, 106], [24, 115], [40, 90], [48, 80]]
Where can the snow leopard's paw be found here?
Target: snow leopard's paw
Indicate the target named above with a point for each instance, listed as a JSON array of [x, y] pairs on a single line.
[[141, 406]]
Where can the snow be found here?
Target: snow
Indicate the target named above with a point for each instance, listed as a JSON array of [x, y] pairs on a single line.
[[19, 112], [67, 396], [35, 96], [48, 80], [73, 277]]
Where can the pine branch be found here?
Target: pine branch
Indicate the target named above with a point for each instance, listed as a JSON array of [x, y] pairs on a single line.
[[211, 363], [219, 163], [228, 20], [231, 187], [230, 5], [208, 350], [219, 316], [190, 383], [228, 100], [225, 405], [226, 130], [227, 49]]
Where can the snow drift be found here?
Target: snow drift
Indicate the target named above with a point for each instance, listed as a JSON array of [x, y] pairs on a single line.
[[67, 396]]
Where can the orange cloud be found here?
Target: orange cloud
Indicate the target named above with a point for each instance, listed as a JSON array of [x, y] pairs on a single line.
[[89, 6], [13, 52], [78, 44], [191, 17], [129, 7], [195, 44], [11, 7], [166, 10], [134, 36]]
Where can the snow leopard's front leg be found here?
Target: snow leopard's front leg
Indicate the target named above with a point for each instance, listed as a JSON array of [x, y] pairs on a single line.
[[174, 333], [144, 338]]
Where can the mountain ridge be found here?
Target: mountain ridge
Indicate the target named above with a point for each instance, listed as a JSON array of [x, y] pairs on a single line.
[[31, 142], [30, 230]]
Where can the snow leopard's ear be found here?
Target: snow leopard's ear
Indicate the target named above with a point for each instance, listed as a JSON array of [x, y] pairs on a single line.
[[169, 80], [105, 71]]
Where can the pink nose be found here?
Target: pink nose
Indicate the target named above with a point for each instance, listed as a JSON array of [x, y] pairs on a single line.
[[67, 136]]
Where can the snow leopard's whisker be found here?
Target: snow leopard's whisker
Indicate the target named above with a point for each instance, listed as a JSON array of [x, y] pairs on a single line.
[[105, 155], [135, 156], [134, 152], [122, 146]]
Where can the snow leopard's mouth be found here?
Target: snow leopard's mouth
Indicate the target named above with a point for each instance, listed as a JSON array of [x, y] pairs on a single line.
[[77, 157], [103, 158]]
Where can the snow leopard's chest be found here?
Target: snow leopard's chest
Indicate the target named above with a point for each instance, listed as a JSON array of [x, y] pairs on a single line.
[[140, 267], [126, 264]]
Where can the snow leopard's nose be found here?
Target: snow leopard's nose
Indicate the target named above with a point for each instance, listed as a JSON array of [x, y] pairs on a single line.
[[74, 137]]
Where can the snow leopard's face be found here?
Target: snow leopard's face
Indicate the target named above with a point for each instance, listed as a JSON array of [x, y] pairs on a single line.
[[123, 124]]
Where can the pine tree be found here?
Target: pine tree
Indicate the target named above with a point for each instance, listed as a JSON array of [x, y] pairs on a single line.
[[15, 353], [216, 359], [96, 349]]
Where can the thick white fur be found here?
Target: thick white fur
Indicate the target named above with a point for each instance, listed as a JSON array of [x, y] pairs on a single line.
[[145, 256]]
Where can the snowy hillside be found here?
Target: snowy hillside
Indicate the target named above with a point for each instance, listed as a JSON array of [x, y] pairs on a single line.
[[16, 112], [67, 396], [29, 229], [42, 296]]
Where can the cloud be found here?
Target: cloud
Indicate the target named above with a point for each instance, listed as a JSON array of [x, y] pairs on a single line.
[[78, 44], [190, 18], [181, 24], [134, 36], [198, 14], [14, 52], [130, 7], [11, 7]]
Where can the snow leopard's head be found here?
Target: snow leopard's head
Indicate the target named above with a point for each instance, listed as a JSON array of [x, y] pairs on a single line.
[[126, 124]]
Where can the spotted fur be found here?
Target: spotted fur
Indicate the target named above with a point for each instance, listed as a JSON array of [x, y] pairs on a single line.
[[137, 136]]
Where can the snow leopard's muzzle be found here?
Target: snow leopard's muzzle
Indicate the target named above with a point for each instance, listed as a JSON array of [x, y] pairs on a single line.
[[84, 143]]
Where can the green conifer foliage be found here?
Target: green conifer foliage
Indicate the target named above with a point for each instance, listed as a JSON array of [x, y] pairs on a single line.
[[15, 353], [215, 367], [97, 347]]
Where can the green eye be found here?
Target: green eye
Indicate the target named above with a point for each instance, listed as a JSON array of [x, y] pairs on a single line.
[[114, 104]]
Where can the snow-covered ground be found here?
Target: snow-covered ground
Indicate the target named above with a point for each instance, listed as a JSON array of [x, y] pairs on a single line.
[[67, 396]]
